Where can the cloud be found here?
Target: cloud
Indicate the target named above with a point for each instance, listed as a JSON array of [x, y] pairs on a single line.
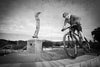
[[17, 16]]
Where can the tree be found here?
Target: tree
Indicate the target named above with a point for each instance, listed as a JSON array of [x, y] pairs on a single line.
[[96, 34]]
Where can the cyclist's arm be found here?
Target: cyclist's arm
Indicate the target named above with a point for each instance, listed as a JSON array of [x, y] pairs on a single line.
[[65, 23], [64, 26]]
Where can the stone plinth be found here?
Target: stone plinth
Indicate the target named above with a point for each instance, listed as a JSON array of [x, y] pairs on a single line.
[[34, 45]]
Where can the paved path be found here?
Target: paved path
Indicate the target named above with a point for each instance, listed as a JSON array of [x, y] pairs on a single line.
[[54, 58], [82, 61]]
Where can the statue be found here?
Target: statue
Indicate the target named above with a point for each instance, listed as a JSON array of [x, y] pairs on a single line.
[[35, 45], [37, 25]]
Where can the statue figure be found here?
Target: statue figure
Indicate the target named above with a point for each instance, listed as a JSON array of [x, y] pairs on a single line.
[[37, 25]]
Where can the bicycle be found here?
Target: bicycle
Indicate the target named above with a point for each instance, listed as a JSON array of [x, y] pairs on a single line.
[[74, 41]]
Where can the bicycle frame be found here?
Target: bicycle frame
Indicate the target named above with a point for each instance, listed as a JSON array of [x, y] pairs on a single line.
[[71, 37]]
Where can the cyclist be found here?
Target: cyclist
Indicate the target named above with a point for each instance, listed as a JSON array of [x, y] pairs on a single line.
[[74, 23]]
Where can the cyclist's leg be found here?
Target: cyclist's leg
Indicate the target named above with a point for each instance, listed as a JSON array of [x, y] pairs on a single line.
[[81, 35], [71, 38], [79, 31], [73, 29]]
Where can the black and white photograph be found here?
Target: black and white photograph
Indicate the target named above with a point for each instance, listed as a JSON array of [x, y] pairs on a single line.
[[49, 33]]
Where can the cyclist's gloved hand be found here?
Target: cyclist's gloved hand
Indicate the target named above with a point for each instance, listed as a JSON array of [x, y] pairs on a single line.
[[62, 29]]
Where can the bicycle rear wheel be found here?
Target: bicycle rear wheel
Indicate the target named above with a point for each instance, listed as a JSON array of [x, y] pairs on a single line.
[[70, 45]]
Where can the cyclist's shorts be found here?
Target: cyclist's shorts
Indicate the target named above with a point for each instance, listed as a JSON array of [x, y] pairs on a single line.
[[77, 28]]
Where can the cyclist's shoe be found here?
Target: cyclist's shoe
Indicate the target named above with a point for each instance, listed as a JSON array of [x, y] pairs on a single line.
[[35, 36]]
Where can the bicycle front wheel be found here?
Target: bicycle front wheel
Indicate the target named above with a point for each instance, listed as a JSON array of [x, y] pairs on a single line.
[[70, 45]]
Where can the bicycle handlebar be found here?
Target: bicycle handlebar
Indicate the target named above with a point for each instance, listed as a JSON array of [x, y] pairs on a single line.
[[65, 28], [68, 27]]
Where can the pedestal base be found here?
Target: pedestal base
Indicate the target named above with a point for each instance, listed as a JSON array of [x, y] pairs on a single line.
[[34, 45]]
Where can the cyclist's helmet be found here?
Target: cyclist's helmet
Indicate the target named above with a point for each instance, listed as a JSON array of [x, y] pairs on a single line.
[[66, 15]]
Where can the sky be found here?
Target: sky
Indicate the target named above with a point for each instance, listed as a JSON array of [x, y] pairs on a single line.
[[17, 21]]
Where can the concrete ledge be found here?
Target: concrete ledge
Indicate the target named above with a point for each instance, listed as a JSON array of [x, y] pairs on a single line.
[[92, 62]]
